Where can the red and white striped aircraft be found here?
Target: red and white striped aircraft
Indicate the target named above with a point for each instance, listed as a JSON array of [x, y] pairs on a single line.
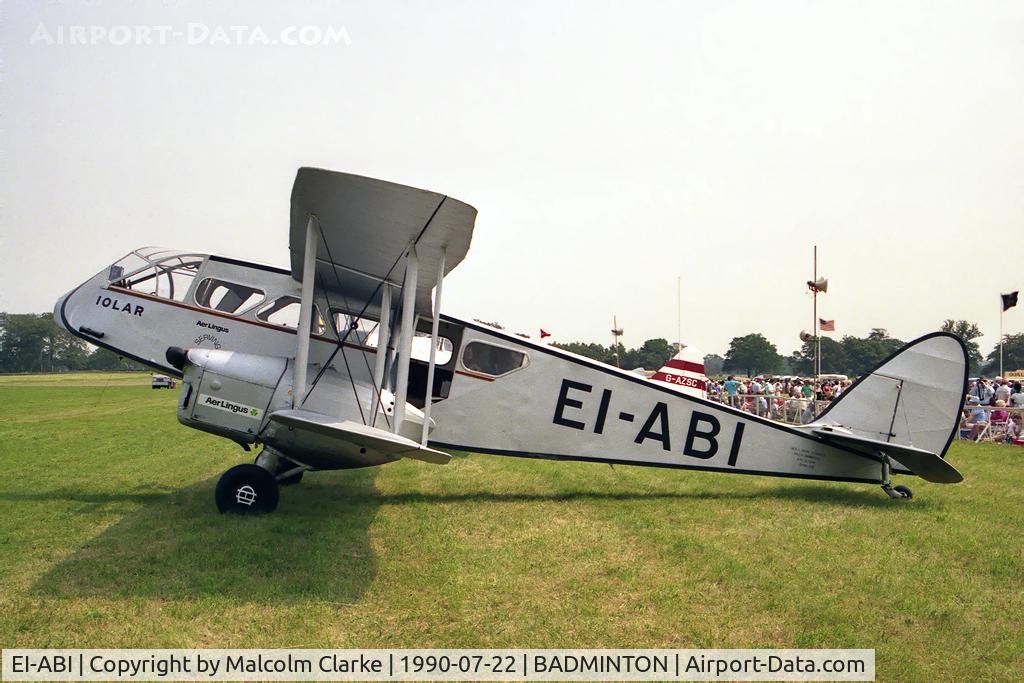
[[685, 372]]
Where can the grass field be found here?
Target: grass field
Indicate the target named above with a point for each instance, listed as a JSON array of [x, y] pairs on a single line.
[[109, 538], [70, 379]]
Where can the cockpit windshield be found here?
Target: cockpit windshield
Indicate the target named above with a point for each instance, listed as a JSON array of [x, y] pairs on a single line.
[[157, 272]]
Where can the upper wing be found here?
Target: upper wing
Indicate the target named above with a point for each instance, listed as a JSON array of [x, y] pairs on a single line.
[[348, 433], [365, 225]]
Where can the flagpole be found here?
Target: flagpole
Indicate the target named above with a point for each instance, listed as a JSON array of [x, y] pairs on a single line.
[[1006, 301], [616, 333], [679, 313], [817, 341], [1002, 309]]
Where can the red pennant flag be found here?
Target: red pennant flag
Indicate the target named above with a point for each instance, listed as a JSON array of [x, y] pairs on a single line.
[[544, 334]]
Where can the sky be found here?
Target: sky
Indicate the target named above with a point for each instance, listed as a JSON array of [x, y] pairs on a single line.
[[617, 152]]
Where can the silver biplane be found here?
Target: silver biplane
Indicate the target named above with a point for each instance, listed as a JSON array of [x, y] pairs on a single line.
[[346, 360]]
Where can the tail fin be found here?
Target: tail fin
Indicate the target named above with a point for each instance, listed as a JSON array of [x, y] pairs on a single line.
[[685, 372], [913, 398]]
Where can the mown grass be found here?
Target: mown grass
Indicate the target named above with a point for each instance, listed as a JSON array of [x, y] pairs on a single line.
[[109, 538], [66, 379]]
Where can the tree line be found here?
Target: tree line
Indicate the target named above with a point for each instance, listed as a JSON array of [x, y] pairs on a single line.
[[652, 354], [753, 354], [855, 356], [35, 343], [31, 342]]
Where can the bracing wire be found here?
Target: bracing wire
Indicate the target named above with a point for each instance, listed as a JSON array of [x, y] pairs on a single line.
[[340, 343]]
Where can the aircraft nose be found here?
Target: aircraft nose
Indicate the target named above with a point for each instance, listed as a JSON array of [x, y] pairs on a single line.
[[58, 317]]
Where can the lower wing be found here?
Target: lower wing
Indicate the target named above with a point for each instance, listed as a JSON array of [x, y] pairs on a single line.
[[348, 433]]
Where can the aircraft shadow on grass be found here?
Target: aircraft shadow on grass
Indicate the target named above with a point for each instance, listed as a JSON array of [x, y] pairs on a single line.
[[317, 548], [818, 495], [172, 547], [93, 498]]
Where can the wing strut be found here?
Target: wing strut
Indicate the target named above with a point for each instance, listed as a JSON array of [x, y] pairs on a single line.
[[305, 314], [429, 399], [383, 338], [407, 333]]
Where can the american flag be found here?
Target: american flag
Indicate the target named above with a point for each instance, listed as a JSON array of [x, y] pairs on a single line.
[[826, 325]]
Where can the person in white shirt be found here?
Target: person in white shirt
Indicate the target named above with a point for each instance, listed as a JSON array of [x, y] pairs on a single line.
[[757, 389], [1002, 391]]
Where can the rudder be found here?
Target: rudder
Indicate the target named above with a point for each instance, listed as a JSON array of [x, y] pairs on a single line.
[[913, 398]]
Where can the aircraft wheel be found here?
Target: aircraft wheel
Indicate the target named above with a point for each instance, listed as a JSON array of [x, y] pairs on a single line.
[[904, 491], [290, 480], [246, 490]]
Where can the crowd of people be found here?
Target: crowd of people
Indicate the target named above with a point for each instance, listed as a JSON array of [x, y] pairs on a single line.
[[994, 409], [789, 399]]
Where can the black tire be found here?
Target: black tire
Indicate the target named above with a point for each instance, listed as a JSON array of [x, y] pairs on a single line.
[[290, 480], [904, 491], [246, 490]]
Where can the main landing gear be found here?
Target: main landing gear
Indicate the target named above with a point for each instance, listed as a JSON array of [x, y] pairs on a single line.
[[246, 490], [890, 490], [253, 489]]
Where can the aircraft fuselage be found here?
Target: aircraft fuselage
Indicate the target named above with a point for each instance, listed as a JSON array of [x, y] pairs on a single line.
[[552, 404]]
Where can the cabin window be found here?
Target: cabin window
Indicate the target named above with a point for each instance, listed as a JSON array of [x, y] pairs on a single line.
[[421, 349], [126, 266], [489, 359], [285, 312], [227, 297], [365, 332], [363, 329], [168, 279]]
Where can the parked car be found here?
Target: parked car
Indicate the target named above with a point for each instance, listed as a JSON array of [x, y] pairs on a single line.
[[164, 382]]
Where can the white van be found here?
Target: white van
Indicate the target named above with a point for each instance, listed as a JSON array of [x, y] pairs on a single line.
[[163, 382]]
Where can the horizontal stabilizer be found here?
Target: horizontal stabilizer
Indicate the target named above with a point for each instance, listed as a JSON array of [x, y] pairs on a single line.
[[361, 436], [924, 464]]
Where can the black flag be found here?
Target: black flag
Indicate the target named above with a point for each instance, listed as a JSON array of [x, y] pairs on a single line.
[[1009, 300]]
